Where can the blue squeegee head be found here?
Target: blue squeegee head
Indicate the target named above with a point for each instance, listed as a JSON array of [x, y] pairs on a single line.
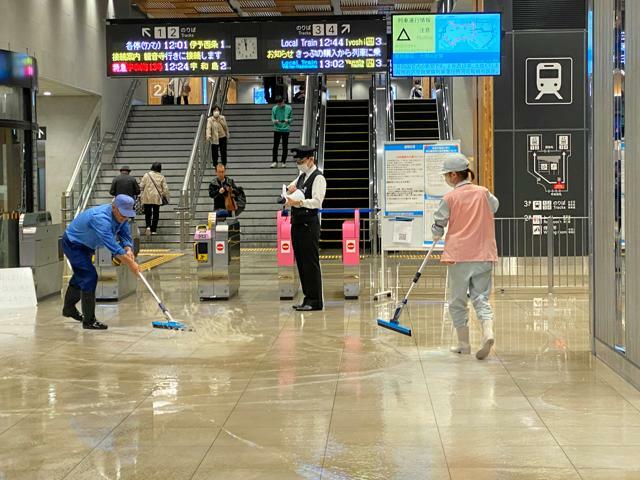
[[395, 326], [169, 325]]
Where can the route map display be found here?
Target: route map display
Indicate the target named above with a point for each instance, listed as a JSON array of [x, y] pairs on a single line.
[[204, 48], [446, 45]]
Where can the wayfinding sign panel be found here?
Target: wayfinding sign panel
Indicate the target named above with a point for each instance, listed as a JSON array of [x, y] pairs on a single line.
[[203, 48], [446, 44]]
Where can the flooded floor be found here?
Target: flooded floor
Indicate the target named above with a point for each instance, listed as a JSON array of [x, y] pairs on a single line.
[[258, 391]]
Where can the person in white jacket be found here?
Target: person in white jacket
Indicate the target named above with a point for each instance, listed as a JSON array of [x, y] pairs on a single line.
[[180, 88], [217, 136]]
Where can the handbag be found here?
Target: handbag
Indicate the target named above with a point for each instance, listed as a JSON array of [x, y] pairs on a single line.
[[229, 201], [163, 198]]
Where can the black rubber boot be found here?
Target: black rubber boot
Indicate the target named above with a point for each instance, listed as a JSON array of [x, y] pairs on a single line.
[[71, 298], [89, 312]]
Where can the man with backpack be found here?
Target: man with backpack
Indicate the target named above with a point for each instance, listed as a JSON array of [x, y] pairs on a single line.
[[225, 193]]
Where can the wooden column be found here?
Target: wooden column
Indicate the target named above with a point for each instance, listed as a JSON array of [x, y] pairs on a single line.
[[484, 121]]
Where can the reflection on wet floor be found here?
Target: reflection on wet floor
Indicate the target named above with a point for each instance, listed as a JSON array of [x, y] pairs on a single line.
[[260, 391]]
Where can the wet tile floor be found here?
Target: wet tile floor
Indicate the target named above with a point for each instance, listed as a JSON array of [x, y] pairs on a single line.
[[260, 391]]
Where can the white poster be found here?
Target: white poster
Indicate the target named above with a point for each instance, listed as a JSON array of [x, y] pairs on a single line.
[[17, 289], [404, 179], [435, 185], [403, 230]]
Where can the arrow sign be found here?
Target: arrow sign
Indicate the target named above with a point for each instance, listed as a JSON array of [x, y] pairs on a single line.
[[146, 32], [346, 28]]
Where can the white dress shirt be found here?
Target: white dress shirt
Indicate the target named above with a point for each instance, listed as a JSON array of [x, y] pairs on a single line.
[[318, 188]]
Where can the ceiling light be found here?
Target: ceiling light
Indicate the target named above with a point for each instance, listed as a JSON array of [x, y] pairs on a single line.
[[47, 93], [342, 85]]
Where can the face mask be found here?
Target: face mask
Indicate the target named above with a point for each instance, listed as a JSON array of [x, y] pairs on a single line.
[[216, 114], [304, 168]]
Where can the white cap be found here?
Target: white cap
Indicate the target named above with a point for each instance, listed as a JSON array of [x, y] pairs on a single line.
[[455, 162]]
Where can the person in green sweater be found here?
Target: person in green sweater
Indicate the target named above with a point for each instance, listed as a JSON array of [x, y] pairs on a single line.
[[281, 116]]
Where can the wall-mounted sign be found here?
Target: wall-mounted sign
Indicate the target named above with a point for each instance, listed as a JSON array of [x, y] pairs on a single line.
[[17, 69], [204, 48], [446, 45]]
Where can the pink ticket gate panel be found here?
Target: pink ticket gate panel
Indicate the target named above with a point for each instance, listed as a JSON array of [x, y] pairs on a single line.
[[287, 271], [351, 256]]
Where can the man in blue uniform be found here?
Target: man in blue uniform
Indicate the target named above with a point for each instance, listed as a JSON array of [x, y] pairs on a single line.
[[103, 226]]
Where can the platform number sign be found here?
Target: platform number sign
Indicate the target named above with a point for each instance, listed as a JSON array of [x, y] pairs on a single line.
[[318, 29]]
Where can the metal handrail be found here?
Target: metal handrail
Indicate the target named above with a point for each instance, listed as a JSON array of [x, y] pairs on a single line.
[[445, 125], [321, 121], [78, 192], [198, 161]]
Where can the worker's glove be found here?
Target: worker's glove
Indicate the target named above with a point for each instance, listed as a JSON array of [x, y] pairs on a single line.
[[437, 231]]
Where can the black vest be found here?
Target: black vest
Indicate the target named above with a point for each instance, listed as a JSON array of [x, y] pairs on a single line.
[[301, 214]]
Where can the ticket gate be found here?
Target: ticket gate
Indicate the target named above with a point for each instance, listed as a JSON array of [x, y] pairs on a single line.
[[40, 249], [116, 281], [217, 252], [351, 256], [287, 272]]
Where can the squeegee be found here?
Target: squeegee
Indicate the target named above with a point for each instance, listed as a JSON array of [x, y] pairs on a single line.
[[170, 324], [394, 323]]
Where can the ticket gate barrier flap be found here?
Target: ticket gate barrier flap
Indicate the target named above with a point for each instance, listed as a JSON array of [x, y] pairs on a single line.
[[288, 282], [115, 281], [351, 256], [40, 249], [218, 255]]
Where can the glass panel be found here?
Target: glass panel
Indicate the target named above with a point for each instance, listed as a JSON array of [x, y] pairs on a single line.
[[11, 166], [618, 92], [11, 103]]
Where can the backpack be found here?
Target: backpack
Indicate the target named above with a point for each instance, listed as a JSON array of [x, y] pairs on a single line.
[[241, 201]]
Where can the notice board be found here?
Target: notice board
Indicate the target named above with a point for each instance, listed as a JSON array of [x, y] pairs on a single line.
[[413, 189]]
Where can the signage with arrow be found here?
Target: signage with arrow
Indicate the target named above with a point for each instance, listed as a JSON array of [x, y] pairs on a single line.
[[346, 28], [146, 32]]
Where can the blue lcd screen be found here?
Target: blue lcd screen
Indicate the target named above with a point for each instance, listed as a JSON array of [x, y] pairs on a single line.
[[446, 45]]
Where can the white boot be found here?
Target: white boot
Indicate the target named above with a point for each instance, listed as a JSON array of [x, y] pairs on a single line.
[[488, 339], [463, 341]]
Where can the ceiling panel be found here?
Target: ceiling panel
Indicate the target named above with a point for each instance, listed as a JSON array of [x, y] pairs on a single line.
[[271, 8]]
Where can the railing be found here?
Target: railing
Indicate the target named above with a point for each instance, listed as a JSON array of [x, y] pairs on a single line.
[[445, 122], [321, 121], [199, 159], [529, 258], [96, 151]]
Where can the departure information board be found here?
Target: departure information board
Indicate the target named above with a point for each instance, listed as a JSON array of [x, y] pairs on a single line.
[[204, 48], [463, 44]]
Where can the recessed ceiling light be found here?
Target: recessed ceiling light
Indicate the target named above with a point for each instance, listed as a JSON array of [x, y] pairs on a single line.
[[342, 85], [47, 93]]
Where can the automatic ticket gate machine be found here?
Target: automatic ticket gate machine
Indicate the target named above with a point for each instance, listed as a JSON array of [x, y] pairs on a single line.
[[116, 281], [217, 253], [40, 249], [351, 256], [287, 271]]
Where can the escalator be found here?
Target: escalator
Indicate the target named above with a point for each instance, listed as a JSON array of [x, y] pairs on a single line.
[[416, 120], [346, 165]]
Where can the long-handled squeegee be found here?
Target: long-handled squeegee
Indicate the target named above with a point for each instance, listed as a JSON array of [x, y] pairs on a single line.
[[394, 323], [170, 324]]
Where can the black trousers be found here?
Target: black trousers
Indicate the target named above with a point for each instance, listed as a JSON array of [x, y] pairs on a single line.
[[305, 238], [182, 97], [220, 149], [151, 216], [276, 144]]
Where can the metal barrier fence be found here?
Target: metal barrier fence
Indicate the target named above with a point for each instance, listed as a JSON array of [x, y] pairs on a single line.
[[529, 258]]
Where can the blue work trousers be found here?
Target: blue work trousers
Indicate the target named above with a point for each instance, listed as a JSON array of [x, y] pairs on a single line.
[[85, 276]]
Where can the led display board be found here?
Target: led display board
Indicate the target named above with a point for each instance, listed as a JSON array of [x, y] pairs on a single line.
[[446, 45], [17, 69], [204, 48]]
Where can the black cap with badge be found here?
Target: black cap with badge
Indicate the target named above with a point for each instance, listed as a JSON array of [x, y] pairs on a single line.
[[303, 151]]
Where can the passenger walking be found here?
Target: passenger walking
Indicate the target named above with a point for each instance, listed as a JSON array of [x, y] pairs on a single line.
[[469, 250], [155, 192], [218, 135], [281, 116], [300, 95], [125, 184], [180, 88], [223, 190], [416, 92], [305, 227], [102, 226]]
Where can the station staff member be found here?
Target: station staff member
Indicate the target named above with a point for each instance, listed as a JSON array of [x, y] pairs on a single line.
[[305, 226], [103, 226]]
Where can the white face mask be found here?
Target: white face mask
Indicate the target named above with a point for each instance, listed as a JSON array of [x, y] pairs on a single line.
[[216, 114], [304, 168]]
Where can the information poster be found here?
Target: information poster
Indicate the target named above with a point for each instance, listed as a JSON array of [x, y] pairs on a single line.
[[159, 48], [413, 189], [446, 45]]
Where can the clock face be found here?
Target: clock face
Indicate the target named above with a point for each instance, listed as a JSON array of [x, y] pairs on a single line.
[[246, 48]]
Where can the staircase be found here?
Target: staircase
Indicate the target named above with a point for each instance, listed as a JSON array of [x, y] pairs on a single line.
[[346, 165], [155, 134], [416, 120], [249, 157]]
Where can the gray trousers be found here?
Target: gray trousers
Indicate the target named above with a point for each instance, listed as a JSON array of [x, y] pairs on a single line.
[[474, 278]]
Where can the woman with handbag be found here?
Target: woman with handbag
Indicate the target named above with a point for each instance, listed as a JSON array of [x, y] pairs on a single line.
[[217, 136], [154, 193]]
